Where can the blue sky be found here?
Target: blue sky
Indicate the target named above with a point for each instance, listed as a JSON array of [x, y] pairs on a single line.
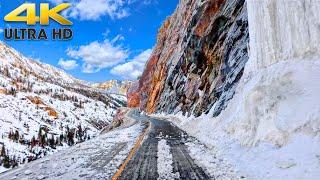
[[112, 38]]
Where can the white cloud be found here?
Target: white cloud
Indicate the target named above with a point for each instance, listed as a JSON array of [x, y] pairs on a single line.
[[1, 30], [67, 64], [94, 10], [89, 10], [117, 38], [97, 56], [132, 69]]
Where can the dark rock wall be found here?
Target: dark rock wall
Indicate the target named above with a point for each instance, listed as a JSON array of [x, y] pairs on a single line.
[[199, 58]]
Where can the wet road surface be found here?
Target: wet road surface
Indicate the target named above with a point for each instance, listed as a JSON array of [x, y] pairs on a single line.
[[144, 164], [103, 157]]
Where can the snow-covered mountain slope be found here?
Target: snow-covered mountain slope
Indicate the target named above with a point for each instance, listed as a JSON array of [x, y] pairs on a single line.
[[271, 127], [41, 105], [98, 158], [114, 86]]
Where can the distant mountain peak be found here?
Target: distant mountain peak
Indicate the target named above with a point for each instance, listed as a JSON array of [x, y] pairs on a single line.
[[114, 86]]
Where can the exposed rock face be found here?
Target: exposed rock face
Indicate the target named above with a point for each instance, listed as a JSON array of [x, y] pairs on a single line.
[[134, 95], [200, 55]]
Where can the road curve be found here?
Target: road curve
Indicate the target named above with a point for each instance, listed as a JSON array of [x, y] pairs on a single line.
[[143, 165], [149, 149]]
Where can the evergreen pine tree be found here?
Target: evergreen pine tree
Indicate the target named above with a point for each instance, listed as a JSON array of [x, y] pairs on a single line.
[[3, 151]]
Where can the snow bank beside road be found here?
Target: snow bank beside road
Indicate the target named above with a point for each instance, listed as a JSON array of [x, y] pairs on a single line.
[[270, 129], [275, 103]]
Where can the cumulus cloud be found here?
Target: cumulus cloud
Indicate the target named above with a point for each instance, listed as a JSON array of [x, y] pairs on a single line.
[[67, 64], [99, 55], [132, 69], [94, 10], [89, 10]]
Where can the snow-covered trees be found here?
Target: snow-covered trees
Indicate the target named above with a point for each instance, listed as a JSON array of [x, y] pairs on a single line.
[[34, 95]]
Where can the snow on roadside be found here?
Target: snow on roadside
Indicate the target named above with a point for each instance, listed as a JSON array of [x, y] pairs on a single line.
[[270, 129], [98, 158], [2, 169], [216, 166], [165, 168]]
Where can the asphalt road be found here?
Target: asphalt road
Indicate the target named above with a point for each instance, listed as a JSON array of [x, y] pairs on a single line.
[[100, 158], [144, 163]]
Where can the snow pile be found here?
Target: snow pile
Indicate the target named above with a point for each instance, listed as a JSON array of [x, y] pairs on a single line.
[[216, 166], [270, 130], [164, 164], [275, 103], [271, 127], [278, 95]]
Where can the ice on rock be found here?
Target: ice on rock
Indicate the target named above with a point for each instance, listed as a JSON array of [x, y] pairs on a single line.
[[283, 30]]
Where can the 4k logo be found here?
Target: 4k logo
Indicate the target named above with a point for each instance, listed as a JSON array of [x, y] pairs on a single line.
[[45, 14]]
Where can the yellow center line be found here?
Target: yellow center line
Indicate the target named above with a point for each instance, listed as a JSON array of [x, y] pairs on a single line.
[[131, 154]]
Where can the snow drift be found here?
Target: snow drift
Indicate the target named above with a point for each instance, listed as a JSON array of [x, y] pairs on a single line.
[[279, 93], [270, 129]]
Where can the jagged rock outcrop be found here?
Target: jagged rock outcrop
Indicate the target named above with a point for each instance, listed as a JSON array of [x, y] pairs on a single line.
[[200, 55]]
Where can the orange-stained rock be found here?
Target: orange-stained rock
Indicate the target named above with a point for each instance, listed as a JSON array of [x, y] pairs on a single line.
[[35, 100], [3, 91], [133, 95], [51, 112]]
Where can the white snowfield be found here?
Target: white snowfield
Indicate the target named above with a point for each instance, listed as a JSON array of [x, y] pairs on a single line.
[[98, 158], [42, 96], [271, 127]]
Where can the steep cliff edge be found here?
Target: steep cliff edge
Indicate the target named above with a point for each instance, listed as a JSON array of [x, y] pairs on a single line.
[[200, 55]]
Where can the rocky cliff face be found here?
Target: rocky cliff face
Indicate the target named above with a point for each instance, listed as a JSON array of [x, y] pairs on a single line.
[[200, 55]]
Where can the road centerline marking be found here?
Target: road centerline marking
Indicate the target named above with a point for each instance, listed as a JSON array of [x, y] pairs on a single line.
[[132, 152]]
